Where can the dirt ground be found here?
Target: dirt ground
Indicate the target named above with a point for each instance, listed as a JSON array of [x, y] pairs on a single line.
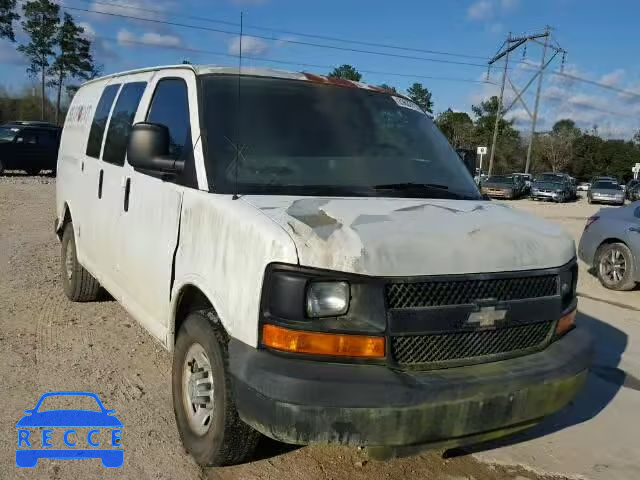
[[48, 343]]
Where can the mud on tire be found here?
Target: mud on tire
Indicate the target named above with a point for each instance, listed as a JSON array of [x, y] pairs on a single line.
[[227, 440], [78, 284]]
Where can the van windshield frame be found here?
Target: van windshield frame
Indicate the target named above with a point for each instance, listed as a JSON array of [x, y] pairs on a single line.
[[297, 137]]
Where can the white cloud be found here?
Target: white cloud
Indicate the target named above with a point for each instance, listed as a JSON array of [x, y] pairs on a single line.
[[614, 78], [125, 36], [154, 9], [509, 4], [161, 40], [128, 39], [89, 31], [250, 46], [480, 10]]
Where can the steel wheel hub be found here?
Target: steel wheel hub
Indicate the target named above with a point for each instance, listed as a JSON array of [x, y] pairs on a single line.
[[197, 389], [613, 266]]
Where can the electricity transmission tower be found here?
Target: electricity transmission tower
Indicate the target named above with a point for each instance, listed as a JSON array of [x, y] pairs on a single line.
[[513, 43]]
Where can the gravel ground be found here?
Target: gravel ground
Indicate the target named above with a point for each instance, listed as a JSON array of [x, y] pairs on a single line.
[[48, 343]]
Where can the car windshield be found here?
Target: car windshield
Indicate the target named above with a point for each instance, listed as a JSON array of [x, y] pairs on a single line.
[[606, 185], [501, 179], [549, 177], [306, 138], [548, 185], [7, 134]]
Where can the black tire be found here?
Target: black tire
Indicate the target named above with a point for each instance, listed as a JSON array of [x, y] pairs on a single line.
[[78, 284], [603, 260], [227, 440], [1, 167]]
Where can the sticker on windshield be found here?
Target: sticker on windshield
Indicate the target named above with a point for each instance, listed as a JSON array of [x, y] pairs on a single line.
[[403, 102]]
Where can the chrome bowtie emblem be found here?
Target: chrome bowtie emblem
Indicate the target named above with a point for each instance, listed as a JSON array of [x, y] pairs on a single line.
[[486, 316]]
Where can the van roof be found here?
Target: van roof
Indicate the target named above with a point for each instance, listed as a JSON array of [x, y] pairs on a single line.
[[253, 71]]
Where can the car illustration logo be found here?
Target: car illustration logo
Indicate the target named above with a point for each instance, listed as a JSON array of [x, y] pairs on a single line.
[[486, 316], [39, 431]]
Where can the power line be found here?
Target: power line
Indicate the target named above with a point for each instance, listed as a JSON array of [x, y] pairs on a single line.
[[283, 62], [334, 47], [286, 32], [294, 42]]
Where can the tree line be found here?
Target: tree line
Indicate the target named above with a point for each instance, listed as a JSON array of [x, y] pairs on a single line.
[[566, 148], [56, 51]]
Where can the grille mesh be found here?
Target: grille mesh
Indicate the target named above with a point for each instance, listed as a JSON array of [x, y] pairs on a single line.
[[460, 292], [422, 349]]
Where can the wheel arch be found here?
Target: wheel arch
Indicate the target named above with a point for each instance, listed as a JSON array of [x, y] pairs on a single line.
[[62, 221], [188, 297]]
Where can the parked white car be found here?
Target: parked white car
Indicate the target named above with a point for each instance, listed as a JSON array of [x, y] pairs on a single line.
[[317, 259]]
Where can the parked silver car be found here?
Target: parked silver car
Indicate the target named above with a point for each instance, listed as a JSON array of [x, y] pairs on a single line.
[[606, 191], [610, 244]]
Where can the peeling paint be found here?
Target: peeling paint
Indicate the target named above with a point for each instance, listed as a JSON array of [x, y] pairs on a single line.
[[403, 237]]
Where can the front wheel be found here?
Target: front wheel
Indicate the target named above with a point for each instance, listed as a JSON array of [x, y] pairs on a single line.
[[615, 267], [205, 411]]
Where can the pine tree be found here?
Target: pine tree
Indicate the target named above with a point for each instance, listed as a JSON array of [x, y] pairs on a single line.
[[73, 59], [41, 22], [8, 15]]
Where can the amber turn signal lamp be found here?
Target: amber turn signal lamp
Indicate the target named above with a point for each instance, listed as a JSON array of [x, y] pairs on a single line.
[[315, 343], [566, 323]]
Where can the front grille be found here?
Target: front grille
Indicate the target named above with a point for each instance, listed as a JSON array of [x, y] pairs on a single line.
[[411, 350], [462, 292]]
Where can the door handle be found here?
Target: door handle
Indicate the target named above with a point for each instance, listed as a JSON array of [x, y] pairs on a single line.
[[100, 179], [127, 189]]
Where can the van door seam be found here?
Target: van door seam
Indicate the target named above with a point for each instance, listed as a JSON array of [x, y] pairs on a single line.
[[175, 250]]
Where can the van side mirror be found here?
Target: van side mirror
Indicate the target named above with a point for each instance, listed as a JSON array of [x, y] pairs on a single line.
[[148, 149]]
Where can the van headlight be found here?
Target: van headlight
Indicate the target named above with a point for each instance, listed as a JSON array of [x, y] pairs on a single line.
[[327, 299]]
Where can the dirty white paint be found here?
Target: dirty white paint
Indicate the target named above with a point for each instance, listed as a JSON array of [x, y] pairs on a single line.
[[225, 246], [397, 237]]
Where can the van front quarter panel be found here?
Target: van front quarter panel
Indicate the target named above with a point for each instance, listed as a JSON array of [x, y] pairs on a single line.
[[224, 248]]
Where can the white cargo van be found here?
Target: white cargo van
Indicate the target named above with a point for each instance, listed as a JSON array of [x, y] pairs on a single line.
[[318, 260]]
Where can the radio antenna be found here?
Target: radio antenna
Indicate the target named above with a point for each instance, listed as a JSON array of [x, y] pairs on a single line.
[[238, 112]]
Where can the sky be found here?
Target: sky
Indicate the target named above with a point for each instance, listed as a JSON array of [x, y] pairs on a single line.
[[601, 39]]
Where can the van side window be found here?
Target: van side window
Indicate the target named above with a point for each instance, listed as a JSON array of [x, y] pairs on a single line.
[[100, 120], [115, 146], [170, 107]]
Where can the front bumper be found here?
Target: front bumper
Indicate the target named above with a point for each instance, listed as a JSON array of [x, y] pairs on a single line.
[[300, 401], [545, 195], [499, 193], [608, 200]]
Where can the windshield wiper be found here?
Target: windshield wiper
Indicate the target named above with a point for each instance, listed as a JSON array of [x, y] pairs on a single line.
[[430, 189]]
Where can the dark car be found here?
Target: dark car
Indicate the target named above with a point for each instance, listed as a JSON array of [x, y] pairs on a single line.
[[558, 190], [633, 193], [631, 185], [606, 191], [504, 186], [29, 146]]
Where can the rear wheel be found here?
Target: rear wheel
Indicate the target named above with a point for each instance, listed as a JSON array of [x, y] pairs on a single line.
[[78, 284], [615, 267], [208, 422]]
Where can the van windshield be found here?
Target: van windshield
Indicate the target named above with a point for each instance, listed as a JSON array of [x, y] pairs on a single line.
[[304, 138]]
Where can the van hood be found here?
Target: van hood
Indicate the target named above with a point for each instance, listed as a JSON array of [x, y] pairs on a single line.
[[406, 237]]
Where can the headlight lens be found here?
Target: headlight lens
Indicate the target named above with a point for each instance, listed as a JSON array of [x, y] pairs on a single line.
[[327, 299]]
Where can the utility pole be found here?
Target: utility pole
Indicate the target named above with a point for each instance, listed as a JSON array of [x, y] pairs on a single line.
[[534, 118], [511, 44], [499, 111]]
